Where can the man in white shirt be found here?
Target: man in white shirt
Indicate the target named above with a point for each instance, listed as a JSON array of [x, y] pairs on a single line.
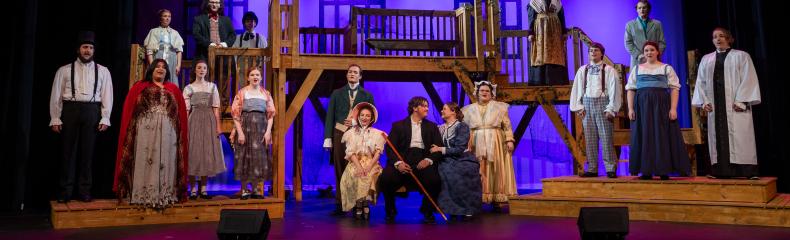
[[596, 97], [79, 107], [412, 138]]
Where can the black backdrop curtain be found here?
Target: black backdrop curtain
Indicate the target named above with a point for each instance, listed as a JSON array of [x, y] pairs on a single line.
[[758, 27], [42, 38]]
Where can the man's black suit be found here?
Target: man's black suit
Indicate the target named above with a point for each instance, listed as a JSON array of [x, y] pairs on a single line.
[[391, 179]]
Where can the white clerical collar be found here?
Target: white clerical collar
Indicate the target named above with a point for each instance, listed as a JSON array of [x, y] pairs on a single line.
[[722, 51]]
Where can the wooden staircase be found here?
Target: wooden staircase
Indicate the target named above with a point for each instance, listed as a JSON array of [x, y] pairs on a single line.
[[693, 199]]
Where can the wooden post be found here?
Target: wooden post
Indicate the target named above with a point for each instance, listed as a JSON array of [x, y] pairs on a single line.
[[352, 38], [298, 156], [275, 28], [294, 32], [493, 10], [279, 131], [464, 32], [479, 24]]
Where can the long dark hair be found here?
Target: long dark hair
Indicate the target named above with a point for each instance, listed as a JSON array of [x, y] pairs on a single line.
[[149, 73], [193, 75]]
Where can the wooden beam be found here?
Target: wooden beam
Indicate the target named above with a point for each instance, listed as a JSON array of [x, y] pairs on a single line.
[[524, 123], [466, 83], [578, 155], [532, 93], [294, 34], [275, 32], [298, 156], [301, 96], [479, 25], [380, 63]]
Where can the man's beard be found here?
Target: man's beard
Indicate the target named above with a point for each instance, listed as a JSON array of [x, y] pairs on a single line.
[[85, 60]]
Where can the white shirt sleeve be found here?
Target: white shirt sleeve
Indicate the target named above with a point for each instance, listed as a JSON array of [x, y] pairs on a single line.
[[577, 92], [672, 78], [56, 97], [631, 85], [613, 90], [106, 94]]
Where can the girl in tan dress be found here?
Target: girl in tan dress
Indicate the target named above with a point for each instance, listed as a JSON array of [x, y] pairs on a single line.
[[364, 145]]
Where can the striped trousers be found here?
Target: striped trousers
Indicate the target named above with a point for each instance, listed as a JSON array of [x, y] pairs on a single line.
[[598, 128]]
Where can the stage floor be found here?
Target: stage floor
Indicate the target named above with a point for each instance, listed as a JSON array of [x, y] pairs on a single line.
[[310, 220]]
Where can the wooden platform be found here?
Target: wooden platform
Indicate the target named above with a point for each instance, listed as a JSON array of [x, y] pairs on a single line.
[[691, 189], [107, 212], [696, 200]]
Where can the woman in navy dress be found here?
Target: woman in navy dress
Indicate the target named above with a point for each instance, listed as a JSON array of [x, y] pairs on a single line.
[[461, 194], [657, 146]]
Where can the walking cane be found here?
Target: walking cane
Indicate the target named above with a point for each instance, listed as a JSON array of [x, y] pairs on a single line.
[[419, 184]]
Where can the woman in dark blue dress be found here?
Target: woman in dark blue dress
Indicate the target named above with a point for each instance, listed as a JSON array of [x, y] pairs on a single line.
[[657, 147], [461, 194]]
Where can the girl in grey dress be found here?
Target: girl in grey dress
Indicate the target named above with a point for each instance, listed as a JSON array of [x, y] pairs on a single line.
[[205, 150]]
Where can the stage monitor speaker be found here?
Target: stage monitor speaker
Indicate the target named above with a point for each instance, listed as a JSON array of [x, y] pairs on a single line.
[[597, 223], [243, 224]]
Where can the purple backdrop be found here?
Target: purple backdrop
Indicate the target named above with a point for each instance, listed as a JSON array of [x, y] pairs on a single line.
[[541, 152]]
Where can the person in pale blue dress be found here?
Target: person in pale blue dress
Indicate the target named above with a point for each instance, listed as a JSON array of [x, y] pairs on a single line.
[[164, 42]]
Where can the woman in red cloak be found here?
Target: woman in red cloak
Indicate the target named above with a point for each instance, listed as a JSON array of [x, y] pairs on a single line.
[[151, 164]]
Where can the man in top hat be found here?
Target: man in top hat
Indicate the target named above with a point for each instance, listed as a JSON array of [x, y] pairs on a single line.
[[79, 108]]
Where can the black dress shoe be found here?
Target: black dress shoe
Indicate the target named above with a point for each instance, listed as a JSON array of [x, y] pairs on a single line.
[[64, 199], [428, 218], [204, 195], [466, 218], [588, 174], [646, 177], [664, 177], [611, 174], [193, 196], [754, 178], [389, 218], [86, 198]]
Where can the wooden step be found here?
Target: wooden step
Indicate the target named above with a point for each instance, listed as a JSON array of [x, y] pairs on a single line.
[[107, 212], [774, 213], [690, 189]]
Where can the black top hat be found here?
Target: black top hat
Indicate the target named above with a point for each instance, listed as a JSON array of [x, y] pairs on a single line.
[[250, 16], [86, 37]]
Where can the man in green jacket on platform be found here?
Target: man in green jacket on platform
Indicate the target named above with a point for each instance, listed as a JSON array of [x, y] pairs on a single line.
[[337, 122]]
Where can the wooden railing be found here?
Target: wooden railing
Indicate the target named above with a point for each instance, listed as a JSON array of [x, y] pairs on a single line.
[[395, 24], [324, 40], [138, 65], [514, 47], [228, 67]]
